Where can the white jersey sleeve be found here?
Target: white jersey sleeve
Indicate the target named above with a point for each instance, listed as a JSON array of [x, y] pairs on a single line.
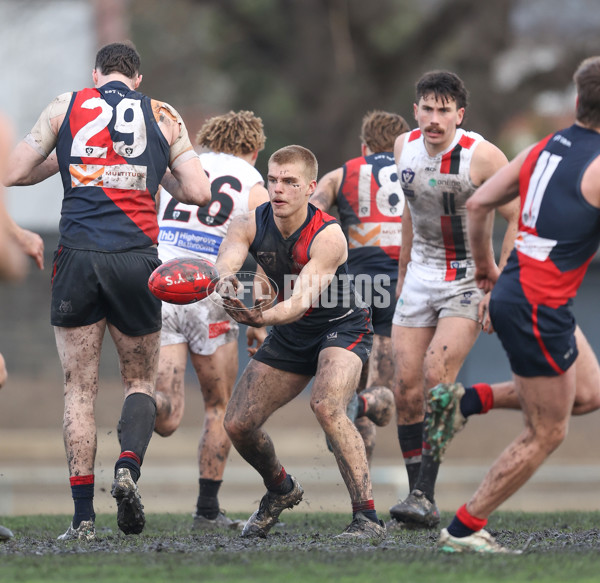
[[192, 231]]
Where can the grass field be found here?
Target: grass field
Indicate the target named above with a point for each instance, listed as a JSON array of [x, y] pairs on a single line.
[[559, 547]]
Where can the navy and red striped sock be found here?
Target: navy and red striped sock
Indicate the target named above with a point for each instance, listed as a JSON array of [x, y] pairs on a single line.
[[82, 491], [367, 508], [464, 524], [477, 400], [281, 484]]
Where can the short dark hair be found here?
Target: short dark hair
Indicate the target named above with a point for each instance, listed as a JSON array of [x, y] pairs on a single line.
[[118, 58], [587, 81], [444, 85], [294, 153], [380, 129]]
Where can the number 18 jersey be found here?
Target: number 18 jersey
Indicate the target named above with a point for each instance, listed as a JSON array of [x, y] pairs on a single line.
[[192, 231]]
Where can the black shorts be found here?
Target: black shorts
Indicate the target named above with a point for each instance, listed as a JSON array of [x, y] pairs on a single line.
[[380, 294], [539, 341], [88, 286], [286, 348]]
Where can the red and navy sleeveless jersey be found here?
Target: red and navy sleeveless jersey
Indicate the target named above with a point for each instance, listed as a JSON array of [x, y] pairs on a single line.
[[559, 231], [283, 259], [370, 203], [112, 156]]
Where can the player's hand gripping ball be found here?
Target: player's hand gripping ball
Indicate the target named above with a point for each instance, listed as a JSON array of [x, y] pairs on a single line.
[[183, 280]]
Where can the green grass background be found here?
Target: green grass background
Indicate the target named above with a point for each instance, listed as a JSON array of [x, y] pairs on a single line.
[[562, 547]]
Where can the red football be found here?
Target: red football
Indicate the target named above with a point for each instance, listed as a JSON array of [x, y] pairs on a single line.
[[183, 280]]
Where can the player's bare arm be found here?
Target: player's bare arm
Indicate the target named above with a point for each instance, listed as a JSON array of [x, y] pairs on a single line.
[[499, 190], [329, 250], [590, 183], [262, 290], [186, 182], [405, 249], [257, 196], [33, 160], [233, 252], [327, 188]]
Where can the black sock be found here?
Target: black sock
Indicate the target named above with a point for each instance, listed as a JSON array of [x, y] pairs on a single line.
[[282, 484], [411, 443], [427, 476], [208, 501], [470, 404], [136, 426], [83, 499]]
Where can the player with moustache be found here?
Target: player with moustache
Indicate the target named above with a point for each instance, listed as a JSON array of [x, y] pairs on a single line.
[[320, 329]]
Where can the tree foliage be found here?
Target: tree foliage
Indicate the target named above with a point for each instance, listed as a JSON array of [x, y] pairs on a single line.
[[312, 68]]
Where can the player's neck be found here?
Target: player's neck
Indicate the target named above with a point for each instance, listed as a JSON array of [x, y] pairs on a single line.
[[287, 226]]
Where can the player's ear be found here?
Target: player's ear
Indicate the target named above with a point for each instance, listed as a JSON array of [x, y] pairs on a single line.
[[137, 81]]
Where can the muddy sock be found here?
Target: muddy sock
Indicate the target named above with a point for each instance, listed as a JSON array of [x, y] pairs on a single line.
[[367, 508], [464, 524], [411, 444], [136, 427], [208, 500], [82, 491], [429, 469], [282, 484]]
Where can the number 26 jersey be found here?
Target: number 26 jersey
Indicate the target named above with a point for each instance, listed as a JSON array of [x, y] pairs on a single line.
[[192, 231]]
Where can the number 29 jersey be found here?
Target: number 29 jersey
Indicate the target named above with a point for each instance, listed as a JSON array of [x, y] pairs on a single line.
[[112, 156], [192, 231]]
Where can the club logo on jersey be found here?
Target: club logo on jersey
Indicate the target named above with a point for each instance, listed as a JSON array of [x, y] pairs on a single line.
[[267, 258], [332, 336], [408, 176]]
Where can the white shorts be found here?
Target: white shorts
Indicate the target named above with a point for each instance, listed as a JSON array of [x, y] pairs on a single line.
[[424, 301], [203, 326]]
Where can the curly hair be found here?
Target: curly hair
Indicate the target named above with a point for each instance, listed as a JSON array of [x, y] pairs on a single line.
[[380, 129], [236, 133]]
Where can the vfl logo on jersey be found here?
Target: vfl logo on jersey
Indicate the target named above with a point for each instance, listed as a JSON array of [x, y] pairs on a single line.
[[408, 176], [332, 336], [65, 307]]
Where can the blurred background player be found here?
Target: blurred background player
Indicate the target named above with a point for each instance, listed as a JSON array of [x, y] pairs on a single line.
[[15, 242], [437, 316], [558, 183], [203, 329], [113, 147], [370, 201]]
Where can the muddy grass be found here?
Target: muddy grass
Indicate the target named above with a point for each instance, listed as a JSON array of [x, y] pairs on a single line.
[[314, 533]]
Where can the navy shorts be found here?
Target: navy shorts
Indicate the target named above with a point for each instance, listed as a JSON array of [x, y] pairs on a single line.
[[381, 296], [539, 341], [289, 349], [88, 286]]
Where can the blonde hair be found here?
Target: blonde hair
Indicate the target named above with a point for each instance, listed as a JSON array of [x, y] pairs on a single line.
[[294, 153], [232, 133]]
